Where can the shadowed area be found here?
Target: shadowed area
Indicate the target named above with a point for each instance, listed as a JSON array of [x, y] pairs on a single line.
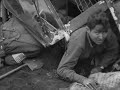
[[41, 79]]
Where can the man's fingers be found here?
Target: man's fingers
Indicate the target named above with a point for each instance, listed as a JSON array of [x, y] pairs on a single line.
[[94, 86], [89, 86]]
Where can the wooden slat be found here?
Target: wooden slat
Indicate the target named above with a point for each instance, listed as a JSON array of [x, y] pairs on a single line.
[[117, 7], [81, 19]]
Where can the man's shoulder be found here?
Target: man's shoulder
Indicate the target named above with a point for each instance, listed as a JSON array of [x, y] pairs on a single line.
[[78, 36], [111, 35], [81, 32], [82, 29], [111, 39]]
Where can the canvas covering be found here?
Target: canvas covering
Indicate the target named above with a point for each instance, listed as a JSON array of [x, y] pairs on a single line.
[[43, 32]]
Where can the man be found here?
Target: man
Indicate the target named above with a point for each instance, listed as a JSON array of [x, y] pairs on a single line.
[[94, 42]]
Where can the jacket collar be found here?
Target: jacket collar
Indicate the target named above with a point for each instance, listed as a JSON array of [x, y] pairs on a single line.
[[92, 44]]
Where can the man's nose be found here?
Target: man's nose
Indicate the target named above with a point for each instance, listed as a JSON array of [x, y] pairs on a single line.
[[100, 36]]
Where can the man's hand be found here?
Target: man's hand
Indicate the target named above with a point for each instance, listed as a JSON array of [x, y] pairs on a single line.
[[90, 83], [96, 70]]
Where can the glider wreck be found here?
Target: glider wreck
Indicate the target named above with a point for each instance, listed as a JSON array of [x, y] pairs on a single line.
[[42, 29]]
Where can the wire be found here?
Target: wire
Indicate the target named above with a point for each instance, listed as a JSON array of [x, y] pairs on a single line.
[[78, 6]]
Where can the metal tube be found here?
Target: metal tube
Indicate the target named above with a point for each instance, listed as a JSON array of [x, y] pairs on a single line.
[[3, 13]]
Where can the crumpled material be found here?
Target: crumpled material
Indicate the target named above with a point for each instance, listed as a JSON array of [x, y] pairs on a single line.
[[107, 80]]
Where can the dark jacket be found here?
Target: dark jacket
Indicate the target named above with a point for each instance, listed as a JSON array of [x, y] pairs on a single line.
[[81, 48]]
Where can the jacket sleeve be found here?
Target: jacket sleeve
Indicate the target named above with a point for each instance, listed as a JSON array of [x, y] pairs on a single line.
[[111, 52], [69, 60]]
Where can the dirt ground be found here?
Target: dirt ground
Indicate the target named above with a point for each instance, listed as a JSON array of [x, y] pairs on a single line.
[[44, 78], [41, 79]]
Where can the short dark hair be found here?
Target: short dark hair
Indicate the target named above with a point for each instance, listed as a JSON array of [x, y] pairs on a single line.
[[98, 18]]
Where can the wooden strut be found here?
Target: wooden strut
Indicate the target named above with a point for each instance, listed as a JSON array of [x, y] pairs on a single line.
[[112, 11]]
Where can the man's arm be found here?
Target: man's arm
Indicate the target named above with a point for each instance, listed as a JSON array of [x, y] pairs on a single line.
[[111, 53], [69, 60]]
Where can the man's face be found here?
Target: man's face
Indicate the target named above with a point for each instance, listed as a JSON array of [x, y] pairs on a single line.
[[97, 34]]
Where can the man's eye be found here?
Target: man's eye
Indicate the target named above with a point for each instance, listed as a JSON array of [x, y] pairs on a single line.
[[104, 33], [97, 33]]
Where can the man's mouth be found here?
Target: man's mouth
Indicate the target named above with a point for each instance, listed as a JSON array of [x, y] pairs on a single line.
[[100, 41]]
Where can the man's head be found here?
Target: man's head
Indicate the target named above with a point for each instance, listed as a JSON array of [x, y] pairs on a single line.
[[98, 24]]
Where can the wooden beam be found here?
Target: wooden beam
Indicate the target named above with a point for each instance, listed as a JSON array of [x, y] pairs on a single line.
[[81, 19]]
